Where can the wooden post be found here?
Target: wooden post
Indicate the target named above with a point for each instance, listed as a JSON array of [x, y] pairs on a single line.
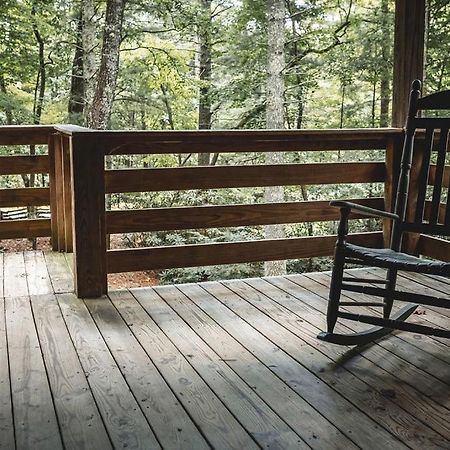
[[66, 185], [56, 175], [409, 51], [394, 149], [52, 187], [88, 200]]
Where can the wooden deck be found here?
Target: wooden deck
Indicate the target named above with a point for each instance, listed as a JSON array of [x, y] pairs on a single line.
[[232, 365]]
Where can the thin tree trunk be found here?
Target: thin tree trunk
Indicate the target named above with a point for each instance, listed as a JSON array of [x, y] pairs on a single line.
[[142, 118], [374, 100], [298, 79], [168, 107], [77, 95], [310, 226], [89, 42], [204, 107], [341, 120], [41, 79], [100, 111], [442, 69], [8, 109], [38, 102], [385, 72], [275, 113]]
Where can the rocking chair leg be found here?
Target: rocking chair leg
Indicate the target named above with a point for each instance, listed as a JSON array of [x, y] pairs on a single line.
[[391, 280], [335, 292], [338, 271]]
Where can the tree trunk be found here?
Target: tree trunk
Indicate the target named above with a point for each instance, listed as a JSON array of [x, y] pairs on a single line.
[[275, 113], [38, 103], [89, 42], [76, 98], [100, 111], [8, 109], [385, 70], [41, 78], [374, 100], [341, 119], [168, 106], [298, 79], [204, 106]]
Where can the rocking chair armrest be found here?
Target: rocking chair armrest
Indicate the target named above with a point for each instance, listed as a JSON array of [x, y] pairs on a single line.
[[361, 209]]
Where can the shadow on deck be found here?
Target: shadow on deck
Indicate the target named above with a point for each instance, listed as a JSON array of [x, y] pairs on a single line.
[[231, 365]]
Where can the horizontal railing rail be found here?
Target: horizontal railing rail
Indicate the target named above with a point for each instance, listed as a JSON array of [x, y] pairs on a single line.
[[194, 255], [193, 217], [18, 227], [184, 178], [25, 134]]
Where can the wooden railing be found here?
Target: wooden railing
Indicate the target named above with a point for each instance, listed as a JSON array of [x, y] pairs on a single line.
[[24, 165], [91, 183], [78, 183]]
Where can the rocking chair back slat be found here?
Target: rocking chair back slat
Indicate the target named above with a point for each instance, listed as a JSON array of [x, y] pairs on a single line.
[[437, 189], [423, 176], [447, 206]]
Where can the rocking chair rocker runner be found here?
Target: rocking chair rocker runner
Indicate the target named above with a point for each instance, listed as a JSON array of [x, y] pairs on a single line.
[[425, 221]]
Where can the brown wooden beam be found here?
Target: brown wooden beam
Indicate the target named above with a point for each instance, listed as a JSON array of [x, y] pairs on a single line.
[[434, 247], [169, 142], [25, 134], [392, 161], [10, 198], [88, 201], [217, 177], [409, 51], [156, 258], [18, 165], [26, 228], [52, 176], [184, 218]]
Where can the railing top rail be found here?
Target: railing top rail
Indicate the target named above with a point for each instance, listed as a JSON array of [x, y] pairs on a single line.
[[188, 141], [263, 133], [25, 134]]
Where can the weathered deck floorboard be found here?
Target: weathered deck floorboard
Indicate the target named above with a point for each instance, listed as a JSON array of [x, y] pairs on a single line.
[[230, 365]]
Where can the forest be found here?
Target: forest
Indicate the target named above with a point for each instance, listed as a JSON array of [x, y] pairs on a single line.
[[203, 64]]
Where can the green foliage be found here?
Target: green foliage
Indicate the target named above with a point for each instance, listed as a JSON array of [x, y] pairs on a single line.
[[438, 60], [155, 88]]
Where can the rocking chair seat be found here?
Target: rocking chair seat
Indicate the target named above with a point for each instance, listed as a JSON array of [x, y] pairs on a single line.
[[385, 257]]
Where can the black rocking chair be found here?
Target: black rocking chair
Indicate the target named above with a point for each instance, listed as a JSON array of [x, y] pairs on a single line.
[[428, 219]]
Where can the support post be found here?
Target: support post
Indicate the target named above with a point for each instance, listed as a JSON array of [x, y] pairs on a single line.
[[409, 54], [56, 177], [88, 201], [52, 187], [394, 149], [66, 193]]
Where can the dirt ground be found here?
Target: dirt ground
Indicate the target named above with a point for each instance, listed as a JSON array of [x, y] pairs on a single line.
[[115, 280]]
